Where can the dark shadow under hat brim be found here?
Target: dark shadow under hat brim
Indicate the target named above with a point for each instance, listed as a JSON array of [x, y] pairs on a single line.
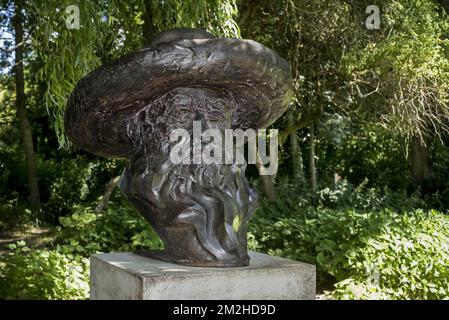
[[102, 103]]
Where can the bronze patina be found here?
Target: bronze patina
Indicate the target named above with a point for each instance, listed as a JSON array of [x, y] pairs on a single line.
[[128, 108]]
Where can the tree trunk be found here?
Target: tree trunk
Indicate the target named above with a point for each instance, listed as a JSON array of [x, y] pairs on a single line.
[[312, 164], [268, 187], [148, 27], [298, 168], [444, 4], [267, 181], [110, 186], [420, 166], [24, 123]]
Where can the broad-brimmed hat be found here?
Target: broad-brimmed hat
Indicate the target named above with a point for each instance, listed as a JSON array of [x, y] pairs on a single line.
[[102, 103]]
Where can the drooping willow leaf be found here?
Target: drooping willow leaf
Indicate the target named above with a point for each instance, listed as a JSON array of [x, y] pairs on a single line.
[[108, 29]]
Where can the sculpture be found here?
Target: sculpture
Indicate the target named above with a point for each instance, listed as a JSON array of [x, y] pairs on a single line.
[[129, 107]]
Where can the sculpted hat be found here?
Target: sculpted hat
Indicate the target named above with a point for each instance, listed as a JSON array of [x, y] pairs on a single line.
[[100, 106]]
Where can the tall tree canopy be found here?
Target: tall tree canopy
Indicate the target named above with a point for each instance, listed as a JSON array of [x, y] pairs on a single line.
[[109, 29], [396, 75]]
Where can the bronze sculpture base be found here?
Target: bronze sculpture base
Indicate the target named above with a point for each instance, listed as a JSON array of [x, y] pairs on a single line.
[[162, 256]]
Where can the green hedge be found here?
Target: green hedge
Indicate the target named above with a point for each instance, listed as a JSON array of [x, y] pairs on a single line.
[[118, 228], [62, 272], [363, 250], [43, 274], [384, 254]]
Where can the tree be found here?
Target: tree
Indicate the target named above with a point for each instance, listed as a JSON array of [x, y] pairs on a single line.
[[107, 31], [397, 75], [406, 67], [24, 122], [298, 168], [312, 36]]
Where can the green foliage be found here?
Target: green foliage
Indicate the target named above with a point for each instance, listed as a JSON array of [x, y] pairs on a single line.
[[439, 195], [364, 198], [215, 16], [406, 68], [62, 272], [313, 35], [42, 274], [118, 228], [359, 151], [66, 55], [397, 254], [13, 213], [75, 180], [108, 29], [407, 259], [12, 171]]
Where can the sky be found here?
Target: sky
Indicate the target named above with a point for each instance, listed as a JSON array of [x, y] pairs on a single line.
[[5, 36]]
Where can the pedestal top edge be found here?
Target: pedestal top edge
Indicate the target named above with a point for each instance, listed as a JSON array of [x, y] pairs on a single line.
[[144, 266]]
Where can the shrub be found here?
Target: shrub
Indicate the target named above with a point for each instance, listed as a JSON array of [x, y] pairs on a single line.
[[71, 181], [408, 259], [118, 228], [365, 198], [13, 214], [372, 254], [42, 274], [62, 272]]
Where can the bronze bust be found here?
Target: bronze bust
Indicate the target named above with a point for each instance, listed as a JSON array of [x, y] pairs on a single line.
[[129, 107]]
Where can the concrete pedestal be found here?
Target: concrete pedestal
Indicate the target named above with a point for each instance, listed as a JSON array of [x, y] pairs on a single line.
[[129, 276]]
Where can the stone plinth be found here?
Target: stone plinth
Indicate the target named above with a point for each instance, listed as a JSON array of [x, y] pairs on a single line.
[[129, 276]]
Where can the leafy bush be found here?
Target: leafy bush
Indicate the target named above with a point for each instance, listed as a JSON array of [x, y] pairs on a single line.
[[69, 181], [374, 254], [62, 272], [360, 151], [13, 214], [13, 175], [117, 228], [365, 198], [42, 274], [438, 196], [408, 259]]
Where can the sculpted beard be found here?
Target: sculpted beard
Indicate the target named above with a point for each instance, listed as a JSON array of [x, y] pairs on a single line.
[[200, 211]]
